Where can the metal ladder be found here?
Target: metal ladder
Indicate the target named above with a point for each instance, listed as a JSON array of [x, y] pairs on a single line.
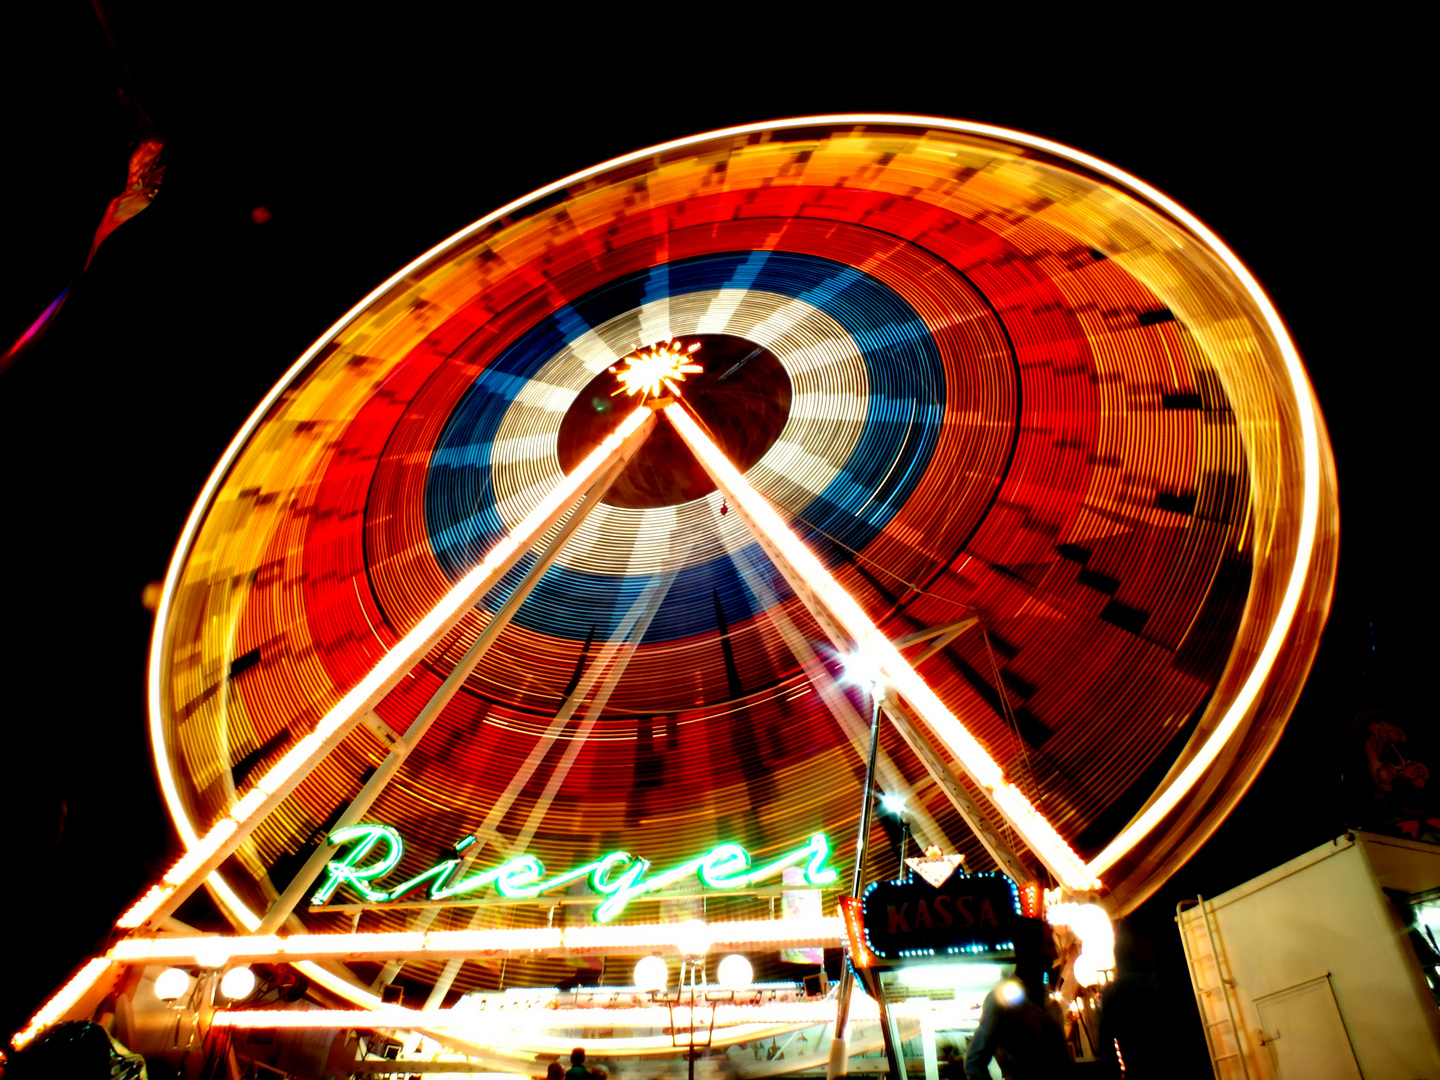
[[1214, 991]]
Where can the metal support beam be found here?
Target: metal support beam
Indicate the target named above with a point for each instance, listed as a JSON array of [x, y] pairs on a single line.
[[287, 901], [847, 625], [970, 811], [889, 1026], [76, 1000], [938, 636], [285, 775], [857, 878], [887, 773]]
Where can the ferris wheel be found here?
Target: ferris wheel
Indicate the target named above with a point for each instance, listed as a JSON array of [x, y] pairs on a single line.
[[919, 408]]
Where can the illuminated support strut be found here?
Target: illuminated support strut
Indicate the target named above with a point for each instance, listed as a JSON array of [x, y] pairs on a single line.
[[848, 626], [295, 891], [271, 789]]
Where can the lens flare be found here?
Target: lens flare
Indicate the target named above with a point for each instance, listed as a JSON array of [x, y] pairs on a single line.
[[653, 370]]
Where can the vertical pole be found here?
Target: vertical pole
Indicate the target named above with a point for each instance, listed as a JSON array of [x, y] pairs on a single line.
[[862, 842], [839, 1063], [692, 1021], [927, 1045], [889, 1026]]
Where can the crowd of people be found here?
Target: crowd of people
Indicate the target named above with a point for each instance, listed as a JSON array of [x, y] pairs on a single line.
[[578, 1069]]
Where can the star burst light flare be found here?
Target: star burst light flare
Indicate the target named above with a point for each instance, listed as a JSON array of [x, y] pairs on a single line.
[[647, 371]]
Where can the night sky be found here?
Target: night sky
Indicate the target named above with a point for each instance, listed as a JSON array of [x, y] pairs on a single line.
[[370, 139]]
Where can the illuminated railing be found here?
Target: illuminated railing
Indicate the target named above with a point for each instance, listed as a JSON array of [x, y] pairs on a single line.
[[543, 1018], [683, 939]]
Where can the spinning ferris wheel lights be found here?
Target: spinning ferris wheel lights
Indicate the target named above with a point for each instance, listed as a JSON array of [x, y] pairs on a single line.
[[998, 372], [843, 618], [297, 763], [660, 366]]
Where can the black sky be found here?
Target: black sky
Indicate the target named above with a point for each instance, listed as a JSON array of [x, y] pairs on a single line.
[[370, 138]]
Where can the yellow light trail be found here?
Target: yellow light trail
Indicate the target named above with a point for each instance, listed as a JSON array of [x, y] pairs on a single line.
[[207, 852]]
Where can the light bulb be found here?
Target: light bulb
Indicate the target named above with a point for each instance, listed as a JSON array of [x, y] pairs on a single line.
[[1011, 991], [237, 983], [172, 984], [735, 972], [1086, 973], [692, 938], [652, 973], [861, 669]]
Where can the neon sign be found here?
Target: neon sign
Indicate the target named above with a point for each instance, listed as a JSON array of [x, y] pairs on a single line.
[[964, 914], [620, 876]]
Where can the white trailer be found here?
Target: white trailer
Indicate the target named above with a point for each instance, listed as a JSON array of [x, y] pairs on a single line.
[[1310, 971]]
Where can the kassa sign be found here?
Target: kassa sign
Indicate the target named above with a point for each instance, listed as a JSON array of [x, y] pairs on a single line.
[[965, 915]]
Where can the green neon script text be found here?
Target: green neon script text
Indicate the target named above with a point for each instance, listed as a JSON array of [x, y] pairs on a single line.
[[620, 876]]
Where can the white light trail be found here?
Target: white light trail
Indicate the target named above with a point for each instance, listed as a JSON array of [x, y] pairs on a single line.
[[211, 849], [214, 951], [838, 611]]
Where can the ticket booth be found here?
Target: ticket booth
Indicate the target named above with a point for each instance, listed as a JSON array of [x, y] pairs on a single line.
[[928, 949]]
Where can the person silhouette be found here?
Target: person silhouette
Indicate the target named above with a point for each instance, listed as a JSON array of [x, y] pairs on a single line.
[[577, 1070], [1135, 1014], [1021, 1026]]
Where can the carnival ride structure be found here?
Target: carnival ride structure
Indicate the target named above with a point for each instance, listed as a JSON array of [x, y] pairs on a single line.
[[955, 416]]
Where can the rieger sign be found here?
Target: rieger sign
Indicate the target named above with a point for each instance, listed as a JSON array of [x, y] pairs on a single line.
[[965, 914], [376, 850]]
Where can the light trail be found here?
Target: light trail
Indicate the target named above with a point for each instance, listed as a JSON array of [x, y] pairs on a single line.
[[673, 939], [845, 622], [206, 854]]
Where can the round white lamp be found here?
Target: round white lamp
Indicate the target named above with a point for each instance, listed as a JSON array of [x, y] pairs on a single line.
[[172, 984], [237, 983], [652, 973], [735, 972], [692, 938]]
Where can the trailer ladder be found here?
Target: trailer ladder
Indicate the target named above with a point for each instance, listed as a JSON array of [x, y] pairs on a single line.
[[1214, 990]]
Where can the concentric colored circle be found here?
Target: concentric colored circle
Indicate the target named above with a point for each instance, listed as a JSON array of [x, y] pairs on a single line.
[[877, 376], [1020, 385]]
